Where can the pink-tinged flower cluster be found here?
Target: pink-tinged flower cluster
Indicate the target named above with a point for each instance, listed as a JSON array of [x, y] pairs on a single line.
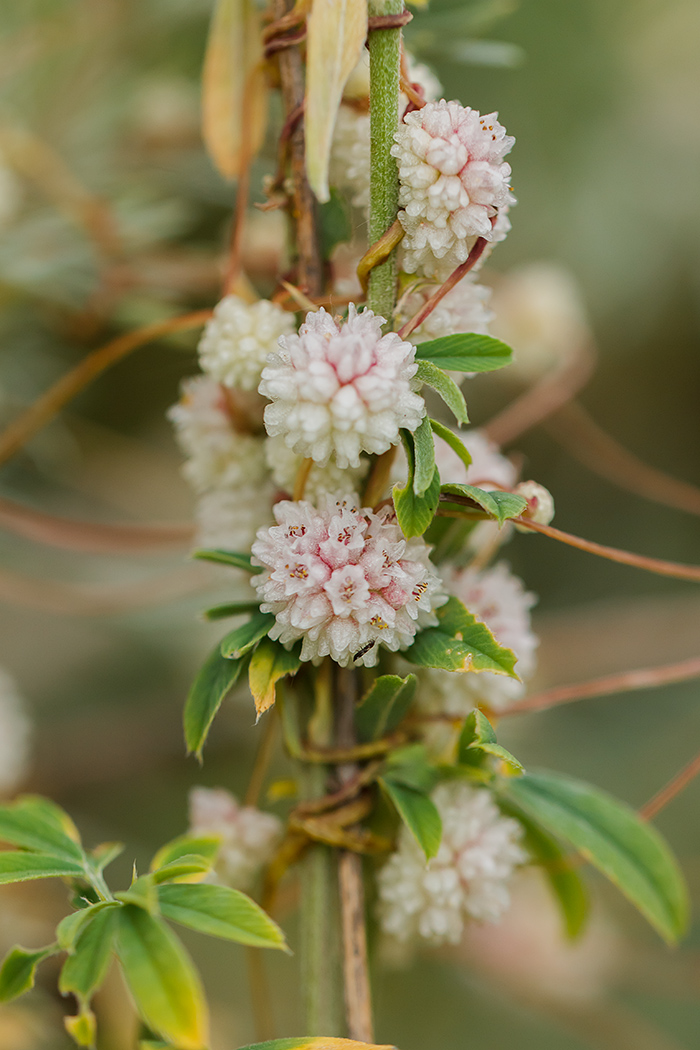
[[248, 836], [338, 390], [454, 180], [344, 579]]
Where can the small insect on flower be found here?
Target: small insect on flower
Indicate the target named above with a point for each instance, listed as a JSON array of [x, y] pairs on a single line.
[[363, 650]]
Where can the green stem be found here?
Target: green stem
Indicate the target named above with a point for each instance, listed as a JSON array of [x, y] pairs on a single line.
[[384, 59]]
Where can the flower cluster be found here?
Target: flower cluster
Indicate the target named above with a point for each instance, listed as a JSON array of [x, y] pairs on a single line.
[[248, 836], [464, 309], [468, 878], [341, 389], [238, 339], [344, 579], [454, 181]]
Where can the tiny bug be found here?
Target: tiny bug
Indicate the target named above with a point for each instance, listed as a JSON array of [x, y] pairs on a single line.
[[362, 651]]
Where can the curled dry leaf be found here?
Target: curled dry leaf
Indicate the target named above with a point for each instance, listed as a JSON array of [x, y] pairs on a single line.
[[234, 91], [337, 30]]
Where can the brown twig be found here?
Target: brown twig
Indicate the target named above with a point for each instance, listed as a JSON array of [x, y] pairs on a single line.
[[547, 396], [674, 787], [584, 439], [389, 21], [357, 753], [305, 468], [454, 279], [279, 43], [379, 252], [608, 685], [43, 410], [349, 790], [92, 537]]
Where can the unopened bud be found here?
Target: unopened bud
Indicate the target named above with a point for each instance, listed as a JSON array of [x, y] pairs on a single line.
[[540, 503]]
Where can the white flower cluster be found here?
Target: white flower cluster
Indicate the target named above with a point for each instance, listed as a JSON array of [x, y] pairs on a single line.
[[345, 579], [239, 337], [497, 598], [341, 389], [454, 182], [468, 879], [284, 465], [464, 309], [248, 836]]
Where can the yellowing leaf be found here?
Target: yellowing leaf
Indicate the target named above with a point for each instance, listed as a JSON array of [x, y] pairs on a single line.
[[316, 1043], [269, 663], [336, 34], [234, 92]]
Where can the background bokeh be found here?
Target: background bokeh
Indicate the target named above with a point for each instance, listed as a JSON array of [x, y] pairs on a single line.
[[111, 216]]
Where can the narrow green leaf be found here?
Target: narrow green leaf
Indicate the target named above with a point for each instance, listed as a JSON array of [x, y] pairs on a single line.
[[476, 730], [419, 814], [161, 978], [190, 868], [424, 448], [466, 352], [17, 866], [35, 823], [86, 967], [241, 640], [415, 513], [69, 929], [18, 970], [564, 880], [235, 559], [451, 439], [410, 766], [630, 852], [205, 846], [499, 505], [460, 642], [221, 912], [270, 663], [448, 390], [103, 855], [312, 1042], [497, 751], [142, 893], [222, 612], [381, 710], [216, 678], [82, 1028]]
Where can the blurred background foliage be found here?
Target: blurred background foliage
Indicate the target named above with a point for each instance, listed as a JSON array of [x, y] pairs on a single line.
[[111, 216]]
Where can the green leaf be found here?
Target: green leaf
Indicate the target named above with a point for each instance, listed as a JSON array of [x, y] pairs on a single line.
[[451, 439], [415, 513], [221, 612], [419, 814], [18, 970], [82, 1028], [384, 706], [448, 390], [564, 880], [269, 663], [630, 852], [476, 730], [242, 639], [410, 766], [17, 866], [424, 448], [221, 912], [232, 558], [190, 868], [312, 1042], [103, 855], [217, 676], [86, 967], [460, 642], [205, 846], [142, 893], [161, 978], [35, 823], [69, 929], [499, 505], [466, 352]]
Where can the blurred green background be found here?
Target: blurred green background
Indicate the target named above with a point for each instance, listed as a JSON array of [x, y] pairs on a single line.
[[99, 101]]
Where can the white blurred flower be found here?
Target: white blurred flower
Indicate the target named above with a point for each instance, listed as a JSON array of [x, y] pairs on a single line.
[[499, 599], [284, 465], [539, 312], [229, 518], [344, 579], [249, 837], [339, 389], [217, 455], [468, 879], [237, 340], [453, 179], [15, 735], [464, 309], [540, 503]]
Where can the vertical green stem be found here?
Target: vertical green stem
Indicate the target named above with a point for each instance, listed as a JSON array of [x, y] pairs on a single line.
[[384, 59]]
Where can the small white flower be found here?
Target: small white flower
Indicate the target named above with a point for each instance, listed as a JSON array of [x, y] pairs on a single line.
[[468, 879], [499, 599], [454, 180], [339, 389], [284, 465], [217, 455], [237, 340], [15, 735], [344, 579], [540, 503], [464, 309], [249, 837], [229, 518]]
